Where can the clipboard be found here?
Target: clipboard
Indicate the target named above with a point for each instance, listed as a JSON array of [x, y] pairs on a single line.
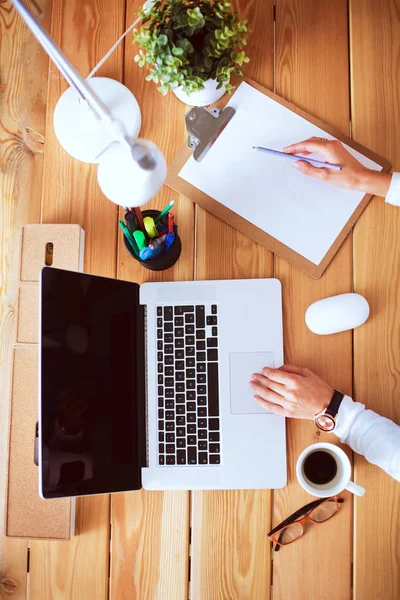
[[202, 139]]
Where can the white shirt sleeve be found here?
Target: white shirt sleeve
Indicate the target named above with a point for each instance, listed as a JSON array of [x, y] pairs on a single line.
[[393, 195], [371, 435]]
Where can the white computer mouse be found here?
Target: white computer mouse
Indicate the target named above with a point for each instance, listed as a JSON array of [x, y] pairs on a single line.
[[337, 313]]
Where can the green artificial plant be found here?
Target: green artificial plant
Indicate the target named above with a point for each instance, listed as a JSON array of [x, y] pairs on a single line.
[[186, 42]]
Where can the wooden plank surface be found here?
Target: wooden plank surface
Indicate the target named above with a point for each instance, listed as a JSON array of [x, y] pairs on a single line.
[[230, 557], [312, 72], [150, 539], [13, 568], [230, 553], [79, 568], [375, 85], [22, 125], [150, 546]]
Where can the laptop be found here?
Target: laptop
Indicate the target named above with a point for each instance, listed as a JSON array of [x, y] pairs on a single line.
[[148, 386]]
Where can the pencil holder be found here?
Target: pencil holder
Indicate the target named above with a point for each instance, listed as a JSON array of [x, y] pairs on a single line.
[[164, 261]]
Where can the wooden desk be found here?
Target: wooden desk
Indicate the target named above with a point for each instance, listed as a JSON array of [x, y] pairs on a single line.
[[339, 63]]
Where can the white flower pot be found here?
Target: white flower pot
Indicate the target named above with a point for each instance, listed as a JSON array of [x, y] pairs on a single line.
[[203, 97]]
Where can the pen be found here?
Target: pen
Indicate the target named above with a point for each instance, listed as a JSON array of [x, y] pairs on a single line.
[[164, 212], [311, 161]]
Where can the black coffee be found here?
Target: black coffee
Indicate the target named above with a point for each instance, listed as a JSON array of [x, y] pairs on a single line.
[[320, 467]]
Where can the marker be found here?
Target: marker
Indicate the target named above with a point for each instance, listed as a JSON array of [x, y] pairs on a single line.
[[150, 226], [129, 237], [131, 221], [162, 222], [164, 229], [164, 212], [140, 239], [170, 223], [311, 161], [158, 242], [148, 254], [169, 241], [152, 250]]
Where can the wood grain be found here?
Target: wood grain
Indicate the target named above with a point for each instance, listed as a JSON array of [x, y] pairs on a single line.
[[77, 568], [13, 568], [22, 125], [230, 556], [71, 195], [375, 85], [150, 541], [312, 72], [149, 557]]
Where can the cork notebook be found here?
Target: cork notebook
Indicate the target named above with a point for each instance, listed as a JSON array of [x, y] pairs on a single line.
[[28, 515]]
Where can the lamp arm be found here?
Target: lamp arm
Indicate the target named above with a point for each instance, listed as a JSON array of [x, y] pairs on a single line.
[[139, 152]]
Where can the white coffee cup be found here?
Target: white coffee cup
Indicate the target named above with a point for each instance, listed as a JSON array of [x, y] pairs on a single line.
[[341, 480]]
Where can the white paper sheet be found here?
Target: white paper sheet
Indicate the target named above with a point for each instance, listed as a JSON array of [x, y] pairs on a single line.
[[304, 214]]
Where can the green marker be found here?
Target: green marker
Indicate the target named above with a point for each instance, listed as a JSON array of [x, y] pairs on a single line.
[[140, 239], [129, 237], [164, 212]]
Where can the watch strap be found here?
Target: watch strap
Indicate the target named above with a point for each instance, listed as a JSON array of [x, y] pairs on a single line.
[[333, 406]]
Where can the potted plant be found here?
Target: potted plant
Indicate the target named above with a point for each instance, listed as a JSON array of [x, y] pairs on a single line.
[[192, 47]]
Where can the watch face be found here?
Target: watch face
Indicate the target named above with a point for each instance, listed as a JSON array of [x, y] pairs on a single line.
[[325, 422]]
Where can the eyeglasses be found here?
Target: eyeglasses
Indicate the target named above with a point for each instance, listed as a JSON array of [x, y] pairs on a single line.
[[292, 528]]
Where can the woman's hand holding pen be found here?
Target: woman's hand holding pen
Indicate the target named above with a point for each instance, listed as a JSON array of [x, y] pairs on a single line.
[[353, 174]]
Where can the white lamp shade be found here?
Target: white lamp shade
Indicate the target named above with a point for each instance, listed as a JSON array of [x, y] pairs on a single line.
[[78, 130], [122, 179]]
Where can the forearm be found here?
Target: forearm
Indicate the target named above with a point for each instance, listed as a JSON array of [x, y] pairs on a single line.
[[375, 182], [369, 434]]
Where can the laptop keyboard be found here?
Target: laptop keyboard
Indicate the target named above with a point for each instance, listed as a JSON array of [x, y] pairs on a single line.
[[187, 384]]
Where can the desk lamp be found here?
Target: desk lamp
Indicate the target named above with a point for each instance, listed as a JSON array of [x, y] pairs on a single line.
[[130, 170]]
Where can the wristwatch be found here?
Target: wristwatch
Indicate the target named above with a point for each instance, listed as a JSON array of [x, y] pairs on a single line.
[[326, 420]]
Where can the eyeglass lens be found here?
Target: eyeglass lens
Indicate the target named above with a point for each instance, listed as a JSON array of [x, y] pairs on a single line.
[[290, 533], [324, 511]]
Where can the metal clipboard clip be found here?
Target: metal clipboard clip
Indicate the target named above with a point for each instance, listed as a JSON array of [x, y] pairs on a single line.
[[204, 126]]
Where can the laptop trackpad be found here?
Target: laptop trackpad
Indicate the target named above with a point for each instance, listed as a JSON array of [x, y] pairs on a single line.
[[242, 366]]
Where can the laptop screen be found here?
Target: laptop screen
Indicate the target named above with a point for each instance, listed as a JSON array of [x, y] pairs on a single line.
[[91, 424]]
